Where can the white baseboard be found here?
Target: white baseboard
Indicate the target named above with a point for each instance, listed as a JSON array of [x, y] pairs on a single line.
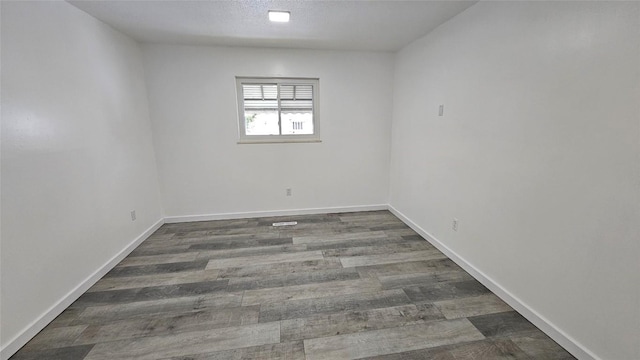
[[571, 345], [255, 214], [36, 326]]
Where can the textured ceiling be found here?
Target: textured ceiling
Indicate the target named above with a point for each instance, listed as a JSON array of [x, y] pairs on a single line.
[[354, 25]]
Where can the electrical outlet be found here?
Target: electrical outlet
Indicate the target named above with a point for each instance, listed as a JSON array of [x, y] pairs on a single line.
[[288, 191], [133, 215], [454, 224], [441, 110]]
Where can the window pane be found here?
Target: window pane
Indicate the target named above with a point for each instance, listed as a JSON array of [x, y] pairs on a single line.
[[260, 97], [252, 91], [296, 103], [261, 109], [270, 91], [261, 122], [296, 98], [297, 122]]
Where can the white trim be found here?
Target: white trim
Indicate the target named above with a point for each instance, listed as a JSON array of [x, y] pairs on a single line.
[[255, 214], [37, 325], [283, 141], [570, 344]]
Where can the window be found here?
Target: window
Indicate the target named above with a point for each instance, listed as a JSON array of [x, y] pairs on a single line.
[[278, 110]]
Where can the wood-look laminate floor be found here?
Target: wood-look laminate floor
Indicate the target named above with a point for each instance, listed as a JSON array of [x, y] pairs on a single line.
[[335, 286]]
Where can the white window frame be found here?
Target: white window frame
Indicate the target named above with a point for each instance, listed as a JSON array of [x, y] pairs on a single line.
[[282, 138]]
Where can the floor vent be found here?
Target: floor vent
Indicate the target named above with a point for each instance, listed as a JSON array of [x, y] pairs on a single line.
[[286, 223]]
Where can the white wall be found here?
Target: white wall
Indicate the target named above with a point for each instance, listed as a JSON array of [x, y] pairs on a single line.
[[537, 156], [204, 171], [77, 156]]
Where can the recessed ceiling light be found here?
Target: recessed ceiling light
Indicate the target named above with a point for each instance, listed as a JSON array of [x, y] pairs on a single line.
[[279, 16]]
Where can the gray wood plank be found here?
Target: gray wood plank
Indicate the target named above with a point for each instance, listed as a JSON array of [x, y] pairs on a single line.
[[445, 291], [319, 230], [356, 321], [264, 259], [436, 353], [309, 291], [187, 241], [388, 248], [539, 346], [63, 353], [388, 341], [159, 250], [151, 293], [502, 324], [423, 279], [120, 283], [341, 244], [158, 259], [391, 258], [234, 244], [248, 235], [164, 268], [400, 232], [55, 337], [390, 225], [227, 231], [472, 306], [156, 347], [279, 268], [338, 237], [280, 351], [67, 318], [197, 320], [185, 228], [250, 251], [114, 312], [290, 279], [408, 268], [500, 349], [292, 309], [159, 236]]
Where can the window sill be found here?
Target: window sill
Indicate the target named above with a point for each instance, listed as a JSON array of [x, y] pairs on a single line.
[[278, 141]]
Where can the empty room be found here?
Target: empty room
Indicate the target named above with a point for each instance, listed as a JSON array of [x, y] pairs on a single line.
[[320, 180]]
